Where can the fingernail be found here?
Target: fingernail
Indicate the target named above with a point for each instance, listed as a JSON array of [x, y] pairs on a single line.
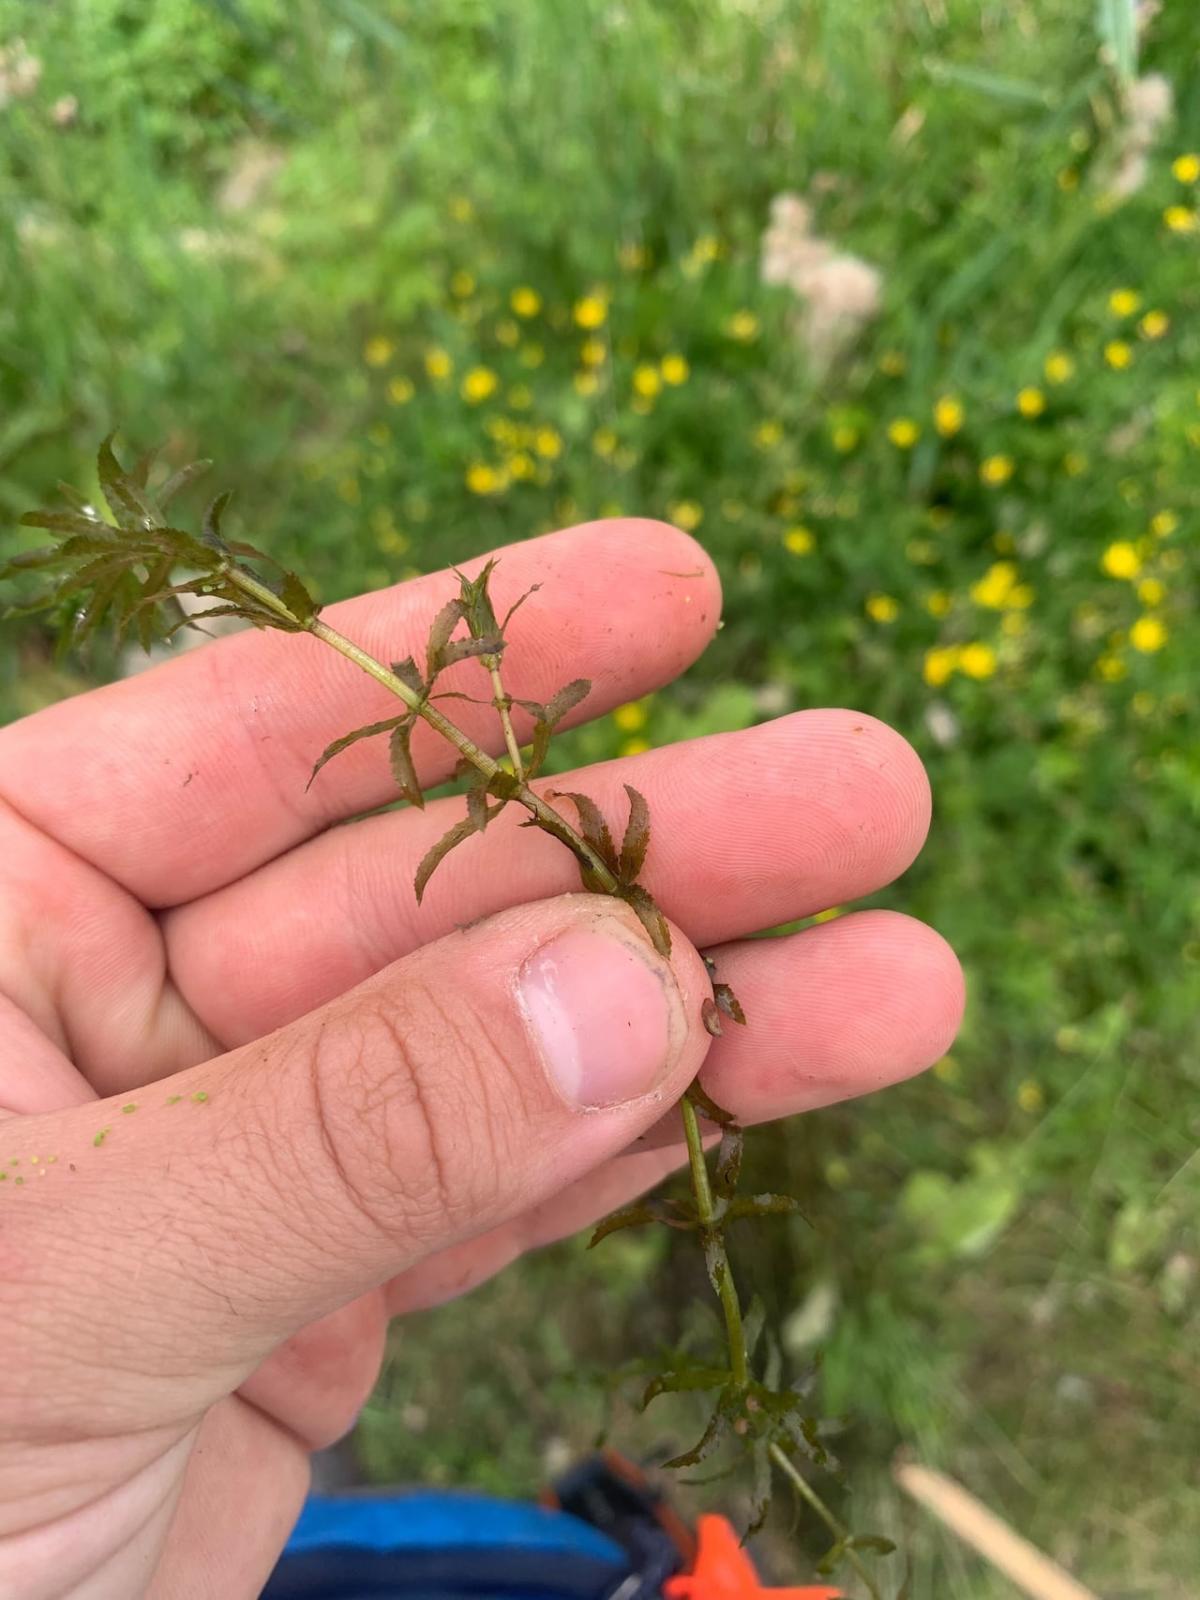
[[600, 1015]]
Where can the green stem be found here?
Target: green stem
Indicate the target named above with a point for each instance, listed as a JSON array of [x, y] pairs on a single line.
[[503, 704], [714, 1245], [810, 1496]]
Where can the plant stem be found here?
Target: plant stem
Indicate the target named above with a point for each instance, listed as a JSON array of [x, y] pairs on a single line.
[[810, 1496], [714, 1246], [503, 704]]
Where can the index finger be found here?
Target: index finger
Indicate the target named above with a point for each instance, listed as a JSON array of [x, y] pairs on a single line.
[[188, 776]]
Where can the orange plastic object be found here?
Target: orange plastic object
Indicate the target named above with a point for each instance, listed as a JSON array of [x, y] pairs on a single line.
[[723, 1571]]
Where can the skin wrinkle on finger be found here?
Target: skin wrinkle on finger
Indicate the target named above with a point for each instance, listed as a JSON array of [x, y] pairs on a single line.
[[202, 815]]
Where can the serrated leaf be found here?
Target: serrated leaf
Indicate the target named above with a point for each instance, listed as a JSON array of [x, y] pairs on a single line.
[[190, 620], [714, 1433], [297, 598], [637, 837], [98, 571], [650, 917], [131, 508], [179, 481], [709, 1107], [67, 522], [409, 674], [463, 649], [347, 739], [566, 699], [400, 757], [591, 824], [476, 602], [210, 527], [139, 473], [729, 1162], [760, 1500], [437, 853], [517, 604], [74, 497], [728, 1002], [875, 1542], [46, 555], [440, 629], [477, 806], [692, 1378]]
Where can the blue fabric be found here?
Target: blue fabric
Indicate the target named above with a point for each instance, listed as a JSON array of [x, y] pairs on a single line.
[[456, 1520], [452, 1546]]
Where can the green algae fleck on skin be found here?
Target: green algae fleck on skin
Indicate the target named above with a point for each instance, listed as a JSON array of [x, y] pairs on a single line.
[[101, 1136], [174, 1099], [19, 1180], [129, 1109], [200, 1096]]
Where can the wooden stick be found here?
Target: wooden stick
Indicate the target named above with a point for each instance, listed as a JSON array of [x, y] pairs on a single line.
[[1032, 1572]]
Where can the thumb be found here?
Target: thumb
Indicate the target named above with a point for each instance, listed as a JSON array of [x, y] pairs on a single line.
[[190, 1230]]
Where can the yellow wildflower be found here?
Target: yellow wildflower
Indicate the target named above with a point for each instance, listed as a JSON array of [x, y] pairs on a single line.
[[547, 441], [1163, 524], [1118, 354], [592, 352], [903, 432], [634, 747], [1186, 168], [1180, 219], [400, 391], [947, 1070], [531, 355], [462, 284], [1151, 591], [483, 479], [591, 311], [994, 588], [995, 470], [507, 333], [1121, 560], [882, 607], [937, 603], [1059, 367], [1021, 597], [1111, 668], [520, 397], [1030, 1096], [686, 514], [521, 465], [743, 326], [378, 351], [844, 438], [646, 380], [478, 384], [1074, 463], [675, 369], [1124, 302], [585, 383], [940, 664], [630, 718], [798, 541], [438, 363], [977, 660], [1031, 402], [604, 441], [526, 302], [948, 415], [768, 434], [1148, 634], [460, 208], [1154, 324]]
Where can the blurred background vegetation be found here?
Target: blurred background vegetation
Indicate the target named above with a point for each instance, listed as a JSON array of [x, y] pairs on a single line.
[[896, 305]]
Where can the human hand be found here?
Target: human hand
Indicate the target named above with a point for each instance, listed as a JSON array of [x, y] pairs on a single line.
[[255, 1101]]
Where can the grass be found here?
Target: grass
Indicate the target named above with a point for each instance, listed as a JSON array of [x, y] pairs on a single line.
[[499, 271]]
